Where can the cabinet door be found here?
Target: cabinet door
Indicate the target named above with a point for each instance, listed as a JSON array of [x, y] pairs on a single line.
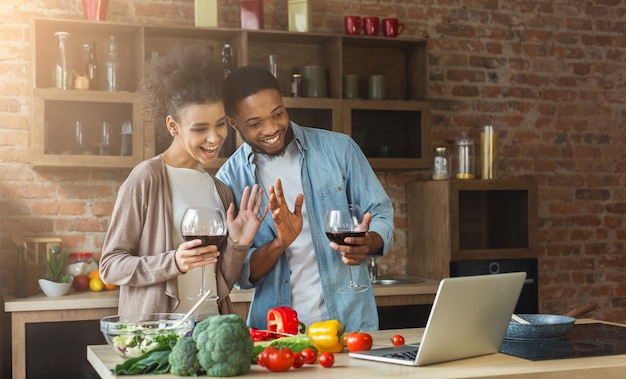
[[394, 135]]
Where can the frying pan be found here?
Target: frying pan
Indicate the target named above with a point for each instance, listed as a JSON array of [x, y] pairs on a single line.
[[545, 326]]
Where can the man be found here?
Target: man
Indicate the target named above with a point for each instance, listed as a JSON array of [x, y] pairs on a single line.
[[291, 262]]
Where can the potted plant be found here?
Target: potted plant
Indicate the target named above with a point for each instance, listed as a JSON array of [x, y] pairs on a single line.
[[55, 281]]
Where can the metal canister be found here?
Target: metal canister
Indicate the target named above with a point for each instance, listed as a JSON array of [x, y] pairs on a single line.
[[297, 85]]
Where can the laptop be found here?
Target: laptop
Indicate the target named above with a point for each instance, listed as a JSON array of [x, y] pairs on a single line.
[[469, 317]]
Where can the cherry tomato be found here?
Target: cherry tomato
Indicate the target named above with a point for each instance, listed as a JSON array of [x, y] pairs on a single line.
[[277, 360], [298, 360], [260, 359], [356, 341], [327, 359], [397, 340], [310, 355]]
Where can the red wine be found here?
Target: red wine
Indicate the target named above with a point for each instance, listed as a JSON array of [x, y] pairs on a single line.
[[338, 237], [206, 240]]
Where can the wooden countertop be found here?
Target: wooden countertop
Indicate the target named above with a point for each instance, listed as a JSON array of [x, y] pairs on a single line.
[[103, 359], [109, 299]]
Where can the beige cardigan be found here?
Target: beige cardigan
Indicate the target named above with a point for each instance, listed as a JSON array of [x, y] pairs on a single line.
[[138, 255]]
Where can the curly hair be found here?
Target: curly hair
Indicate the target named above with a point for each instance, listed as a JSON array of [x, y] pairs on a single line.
[[173, 81]]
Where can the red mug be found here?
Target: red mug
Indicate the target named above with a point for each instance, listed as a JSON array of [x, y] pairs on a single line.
[[352, 24], [370, 25], [391, 27]]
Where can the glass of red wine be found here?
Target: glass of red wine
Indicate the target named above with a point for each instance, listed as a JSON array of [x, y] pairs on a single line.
[[208, 225], [342, 223]]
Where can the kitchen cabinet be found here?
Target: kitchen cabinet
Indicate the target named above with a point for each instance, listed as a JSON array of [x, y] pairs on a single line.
[[57, 111], [451, 221], [394, 133]]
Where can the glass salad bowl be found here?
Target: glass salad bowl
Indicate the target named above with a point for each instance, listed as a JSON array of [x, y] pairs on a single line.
[[133, 335]]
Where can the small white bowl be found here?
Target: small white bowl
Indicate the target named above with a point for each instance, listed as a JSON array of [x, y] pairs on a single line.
[[54, 289]]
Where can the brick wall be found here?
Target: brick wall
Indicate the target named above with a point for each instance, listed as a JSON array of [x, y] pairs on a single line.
[[548, 74]]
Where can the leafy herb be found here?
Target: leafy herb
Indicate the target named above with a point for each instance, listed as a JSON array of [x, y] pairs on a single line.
[[55, 265], [153, 362]]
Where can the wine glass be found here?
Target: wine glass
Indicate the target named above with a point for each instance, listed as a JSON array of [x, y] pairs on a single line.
[[208, 225], [340, 223]]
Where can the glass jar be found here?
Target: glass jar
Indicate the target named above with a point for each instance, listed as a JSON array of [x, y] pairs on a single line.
[[297, 85], [441, 164], [80, 264], [465, 157]]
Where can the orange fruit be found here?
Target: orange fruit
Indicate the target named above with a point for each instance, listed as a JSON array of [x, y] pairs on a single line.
[[109, 287], [94, 274], [96, 284]]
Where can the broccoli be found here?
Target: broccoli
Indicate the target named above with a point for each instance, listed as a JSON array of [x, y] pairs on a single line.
[[224, 345], [183, 360]]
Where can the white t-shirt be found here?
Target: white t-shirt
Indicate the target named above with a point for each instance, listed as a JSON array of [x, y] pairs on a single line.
[[306, 287], [193, 188]]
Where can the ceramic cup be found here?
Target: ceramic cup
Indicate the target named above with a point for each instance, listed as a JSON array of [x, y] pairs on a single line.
[[370, 25], [376, 87], [392, 27], [314, 81], [350, 86], [352, 24]]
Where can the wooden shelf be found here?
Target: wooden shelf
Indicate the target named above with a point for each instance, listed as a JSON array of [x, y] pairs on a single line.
[[402, 122]]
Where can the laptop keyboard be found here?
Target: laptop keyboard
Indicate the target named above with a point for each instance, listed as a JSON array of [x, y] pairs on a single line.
[[408, 355]]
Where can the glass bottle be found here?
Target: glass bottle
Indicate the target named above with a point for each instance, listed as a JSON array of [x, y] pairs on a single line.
[[112, 67], [91, 66], [465, 157], [488, 152], [62, 69], [441, 164], [21, 271], [227, 56]]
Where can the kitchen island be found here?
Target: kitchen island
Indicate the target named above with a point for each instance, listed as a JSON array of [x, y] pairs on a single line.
[[103, 359], [78, 306]]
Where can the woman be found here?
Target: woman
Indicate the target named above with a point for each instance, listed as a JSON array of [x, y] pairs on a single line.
[[144, 252]]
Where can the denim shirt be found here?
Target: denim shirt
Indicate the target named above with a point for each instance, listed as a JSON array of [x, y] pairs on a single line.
[[335, 172]]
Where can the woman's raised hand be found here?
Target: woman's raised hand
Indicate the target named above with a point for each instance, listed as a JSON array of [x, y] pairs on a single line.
[[242, 228]]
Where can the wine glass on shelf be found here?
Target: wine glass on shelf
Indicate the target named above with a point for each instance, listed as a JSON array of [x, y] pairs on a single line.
[[340, 223], [208, 225]]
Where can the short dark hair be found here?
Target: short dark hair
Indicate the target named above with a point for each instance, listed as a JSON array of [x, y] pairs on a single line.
[[243, 82]]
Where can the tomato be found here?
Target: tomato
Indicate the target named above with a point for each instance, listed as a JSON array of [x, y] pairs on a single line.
[[356, 341], [261, 358], [310, 355], [277, 360], [298, 360], [397, 340], [327, 359]]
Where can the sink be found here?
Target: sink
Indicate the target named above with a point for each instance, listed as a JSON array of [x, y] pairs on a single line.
[[396, 280]]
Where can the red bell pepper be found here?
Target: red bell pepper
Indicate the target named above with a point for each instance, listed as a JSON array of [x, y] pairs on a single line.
[[259, 335], [283, 320]]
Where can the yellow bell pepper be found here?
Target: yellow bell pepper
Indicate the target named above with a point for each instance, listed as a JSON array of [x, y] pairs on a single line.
[[327, 336]]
